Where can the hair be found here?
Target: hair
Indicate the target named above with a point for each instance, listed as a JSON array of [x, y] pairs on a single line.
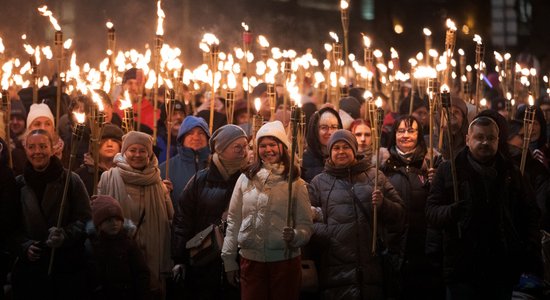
[[358, 122], [255, 167], [409, 121], [42, 132], [483, 121]]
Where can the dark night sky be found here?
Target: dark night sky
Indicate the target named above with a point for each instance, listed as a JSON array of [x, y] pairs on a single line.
[[285, 23]]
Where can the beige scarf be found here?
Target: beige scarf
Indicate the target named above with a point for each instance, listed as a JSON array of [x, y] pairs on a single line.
[[142, 193], [228, 167]]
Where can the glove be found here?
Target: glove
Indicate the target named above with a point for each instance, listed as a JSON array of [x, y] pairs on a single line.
[[56, 237], [178, 273]]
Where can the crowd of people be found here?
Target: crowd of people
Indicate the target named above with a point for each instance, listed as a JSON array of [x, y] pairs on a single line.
[[399, 221]]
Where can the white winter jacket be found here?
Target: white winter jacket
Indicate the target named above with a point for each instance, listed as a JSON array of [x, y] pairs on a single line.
[[257, 216]]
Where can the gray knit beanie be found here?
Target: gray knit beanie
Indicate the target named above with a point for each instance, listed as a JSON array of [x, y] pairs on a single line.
[[343, 135], [224, 136]]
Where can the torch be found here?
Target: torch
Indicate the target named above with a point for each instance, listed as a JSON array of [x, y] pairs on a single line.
[[78, 132], [432, 99], [368, 59], [295, 120], [97, 121], [247, 43], [34, 82], [413, 63], [336, 65], [169, 103], [128, 119], [287, 72], [272, 96], [111, 46], [378, 116], [428, 44], [344, 15], [257, 122], [450, 41], [528, 120], [214, 50], [6, 107], [264, 47], [230, 97], [158, 46], [446, 107], [480, 50], [462, 70]]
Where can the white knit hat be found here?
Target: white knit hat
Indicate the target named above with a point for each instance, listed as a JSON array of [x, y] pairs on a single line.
[[273, 129], [39, 110]]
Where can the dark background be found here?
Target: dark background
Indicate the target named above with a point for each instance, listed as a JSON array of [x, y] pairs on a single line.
[[297, 24]]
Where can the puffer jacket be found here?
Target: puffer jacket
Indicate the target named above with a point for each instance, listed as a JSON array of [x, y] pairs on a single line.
[[348, 270], [257, 216]]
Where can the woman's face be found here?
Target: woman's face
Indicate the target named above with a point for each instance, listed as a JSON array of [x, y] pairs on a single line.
[[535, 134], [109, 148], [238, 149], [362, 133], [137, 156], [269, 150], [39, 150], [406, 136], [341, 154], [44, 123], [328, 124]]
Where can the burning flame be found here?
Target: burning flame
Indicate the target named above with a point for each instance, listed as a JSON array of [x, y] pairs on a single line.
[[531, 100], [109, 25], [427, 32], [328, 47], [210, 39], [483, 102], [477, 39], [68, 43], [451, 25], [334, 36], [97, 100], [2, 48], [366, 41], [258, 104], [160, 20], [47, 13], [394, 53], [126, 102], [367, 95], [444, 88], [245, 27], [344, 5], [460, 52], [80, 117], [263, 41], [507, 56], [231, 81], [378, 102]]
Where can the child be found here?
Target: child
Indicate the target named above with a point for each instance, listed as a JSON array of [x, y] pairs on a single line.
[[117, 266]]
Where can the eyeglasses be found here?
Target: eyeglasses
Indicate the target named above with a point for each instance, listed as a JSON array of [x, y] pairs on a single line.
[[240, 148], [326, 128], [402, 131]]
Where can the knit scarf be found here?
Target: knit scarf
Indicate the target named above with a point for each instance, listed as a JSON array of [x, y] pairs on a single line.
[[341, 172], [38, 180], [228, 167]]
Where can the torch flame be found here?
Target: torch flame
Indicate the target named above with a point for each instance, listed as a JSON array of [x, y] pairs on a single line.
[[161, 16], [444, 88], [366, 41], [263, 41], [68, 43], [378, 102], [80, 117], [334, 36], [47, 13], [258, 104], [126, 102], [245, 27], [109, 25], [507, 56], [477, 39], [328, 47], [367, 95], [210, 39], [394, 53], [97, 100], [460, 52], [2, 48], [29, 49], [483, 102], [427, 32], [451, 25], [344, 5], [531, 100], [231, 81]]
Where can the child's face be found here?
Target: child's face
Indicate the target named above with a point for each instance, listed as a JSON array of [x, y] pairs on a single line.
[[111, 226]]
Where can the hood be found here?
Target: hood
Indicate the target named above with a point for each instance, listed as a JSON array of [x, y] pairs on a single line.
[[189, 123], [312, 138]]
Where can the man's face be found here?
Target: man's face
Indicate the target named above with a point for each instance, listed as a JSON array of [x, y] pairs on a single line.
[[456, 119], [17, 124], [177, 119], [483, 142], [421, 114], [195, 139], [132, 86], [546, 111]]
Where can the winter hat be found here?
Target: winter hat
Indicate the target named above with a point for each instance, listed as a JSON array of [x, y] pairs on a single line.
[[111, 131], [357, 93], [343, 135], [129, 74], [224, 136], [136, 137], [105, 207], [18, 109], [404, 107], [178, 106], [351, 106], [259, 90], [189, 123], [273, 129], [460, 104], [39, 110], [498, 103]]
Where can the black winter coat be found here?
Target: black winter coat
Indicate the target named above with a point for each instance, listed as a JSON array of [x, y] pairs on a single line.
[[117, 267], [348, 270], [498, 221], [203, 201]]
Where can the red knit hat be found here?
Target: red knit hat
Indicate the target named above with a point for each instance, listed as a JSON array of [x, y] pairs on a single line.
[[105, 207]]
